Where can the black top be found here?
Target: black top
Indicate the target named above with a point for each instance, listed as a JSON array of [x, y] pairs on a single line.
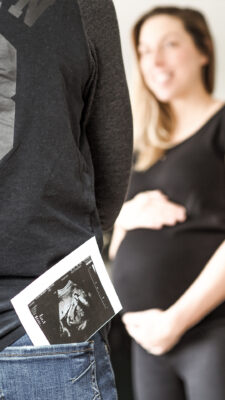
[[65, 136], [153, 268]]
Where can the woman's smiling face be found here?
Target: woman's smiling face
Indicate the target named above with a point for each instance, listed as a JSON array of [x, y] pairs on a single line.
[[170, 62]]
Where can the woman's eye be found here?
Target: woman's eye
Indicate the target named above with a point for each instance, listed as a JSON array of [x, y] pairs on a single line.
[[171, 43], [144, 52]]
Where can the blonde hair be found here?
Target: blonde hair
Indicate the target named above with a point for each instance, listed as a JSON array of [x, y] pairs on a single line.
[[153, 120]]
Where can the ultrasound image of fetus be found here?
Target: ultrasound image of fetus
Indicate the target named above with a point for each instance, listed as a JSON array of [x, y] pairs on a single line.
[[73, 304]]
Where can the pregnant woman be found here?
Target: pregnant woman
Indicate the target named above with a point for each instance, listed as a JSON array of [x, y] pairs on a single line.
[[168, 242]]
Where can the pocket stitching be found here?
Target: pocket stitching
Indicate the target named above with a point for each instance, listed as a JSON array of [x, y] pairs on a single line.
[[74, 380], [94, 381], [44, 354]]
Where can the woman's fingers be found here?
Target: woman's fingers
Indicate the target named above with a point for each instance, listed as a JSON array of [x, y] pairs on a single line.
[[150, 195], [162, 213], [172, 212], [151, 209]]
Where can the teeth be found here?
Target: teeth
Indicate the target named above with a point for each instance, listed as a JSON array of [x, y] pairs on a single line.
[[163, 77]]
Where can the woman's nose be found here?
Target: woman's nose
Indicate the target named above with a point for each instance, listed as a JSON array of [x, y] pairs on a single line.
[[158, 58]]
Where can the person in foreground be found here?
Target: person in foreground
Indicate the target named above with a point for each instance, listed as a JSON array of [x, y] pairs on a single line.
[[65, 157], [169, 239]]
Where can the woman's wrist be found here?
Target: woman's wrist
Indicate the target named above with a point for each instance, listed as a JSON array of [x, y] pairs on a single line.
[[123, 222], [203, 296], [178, 319]]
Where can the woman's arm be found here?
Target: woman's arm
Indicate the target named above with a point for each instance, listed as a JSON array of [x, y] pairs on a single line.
[[117, 237], [204, 295], [158, 331]]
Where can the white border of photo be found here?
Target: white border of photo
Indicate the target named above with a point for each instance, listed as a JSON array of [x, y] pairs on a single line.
[[21, 301]]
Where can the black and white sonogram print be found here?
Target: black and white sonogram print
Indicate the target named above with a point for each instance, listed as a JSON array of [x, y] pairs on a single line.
[[73, 301], [74, 307]]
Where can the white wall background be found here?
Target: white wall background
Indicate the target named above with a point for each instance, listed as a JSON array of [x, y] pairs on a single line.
[[214, 10]]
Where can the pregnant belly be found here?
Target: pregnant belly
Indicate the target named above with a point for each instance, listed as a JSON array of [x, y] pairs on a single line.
[[154, 268]]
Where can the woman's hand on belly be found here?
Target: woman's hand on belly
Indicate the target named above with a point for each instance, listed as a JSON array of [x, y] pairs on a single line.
[[152, 329], [151, 209]]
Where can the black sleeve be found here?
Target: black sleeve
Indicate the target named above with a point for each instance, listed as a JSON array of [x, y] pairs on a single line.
[[220, 134], [109, 125], [222, 139]]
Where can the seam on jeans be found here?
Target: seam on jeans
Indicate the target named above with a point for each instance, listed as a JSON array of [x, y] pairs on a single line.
[[45, 354], [97, 396], [73, 380], [107, 349], [94, 382]]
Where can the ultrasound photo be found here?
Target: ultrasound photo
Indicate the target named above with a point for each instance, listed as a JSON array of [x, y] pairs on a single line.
[[74, 307]]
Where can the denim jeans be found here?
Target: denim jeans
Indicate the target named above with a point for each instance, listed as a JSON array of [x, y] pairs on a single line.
[[80, 371]]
